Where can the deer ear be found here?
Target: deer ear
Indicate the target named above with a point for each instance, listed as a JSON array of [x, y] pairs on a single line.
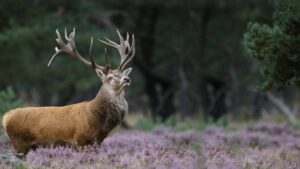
[[127, 71], [101, 74]]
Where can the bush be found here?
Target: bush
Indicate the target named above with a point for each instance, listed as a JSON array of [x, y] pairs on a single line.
[[277, 47], [8, 100]]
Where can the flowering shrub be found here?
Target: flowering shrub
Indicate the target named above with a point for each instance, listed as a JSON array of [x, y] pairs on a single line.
[[258, 146]]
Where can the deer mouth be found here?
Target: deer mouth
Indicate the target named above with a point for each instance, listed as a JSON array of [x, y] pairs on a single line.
[[127, 83]]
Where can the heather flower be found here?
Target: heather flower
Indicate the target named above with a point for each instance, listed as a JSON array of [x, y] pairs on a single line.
[[256, 146]]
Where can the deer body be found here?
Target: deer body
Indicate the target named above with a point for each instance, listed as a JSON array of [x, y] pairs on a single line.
[[77, 124]]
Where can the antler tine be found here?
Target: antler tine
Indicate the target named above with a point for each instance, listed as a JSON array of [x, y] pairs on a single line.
[[61, 43], [70, 48], [122, 48], [90, 53], [107, 65], [106, 59], [132, 51], [120, 37], [53, 57], [127, 37], [109, 42]]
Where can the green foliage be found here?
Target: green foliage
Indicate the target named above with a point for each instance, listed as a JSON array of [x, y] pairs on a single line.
[[201, 122], [277, 47], [197, 124], [8, 100], [147, 123], [27, 41], [20, 166]]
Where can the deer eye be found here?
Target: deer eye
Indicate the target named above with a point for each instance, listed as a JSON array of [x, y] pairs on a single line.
[[109, 77]]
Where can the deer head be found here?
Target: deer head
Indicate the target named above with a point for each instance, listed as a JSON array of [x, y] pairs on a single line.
[[112, 79]]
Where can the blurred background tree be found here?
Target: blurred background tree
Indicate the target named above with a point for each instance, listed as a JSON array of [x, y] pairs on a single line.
[[277, 46], [190, 59]]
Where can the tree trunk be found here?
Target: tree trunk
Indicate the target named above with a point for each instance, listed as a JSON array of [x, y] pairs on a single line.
[[159, 108], [214, 97], [283, 108]]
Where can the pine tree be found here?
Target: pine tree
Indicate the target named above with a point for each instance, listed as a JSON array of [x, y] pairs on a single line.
[[277, 47]]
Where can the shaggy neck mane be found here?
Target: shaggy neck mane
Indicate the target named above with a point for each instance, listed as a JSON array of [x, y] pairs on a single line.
[[109, 108]]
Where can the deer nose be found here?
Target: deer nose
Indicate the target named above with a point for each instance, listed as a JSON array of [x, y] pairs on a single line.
[[126, 79]]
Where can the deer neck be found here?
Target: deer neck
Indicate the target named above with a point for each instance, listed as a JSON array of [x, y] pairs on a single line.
[[109, 108]]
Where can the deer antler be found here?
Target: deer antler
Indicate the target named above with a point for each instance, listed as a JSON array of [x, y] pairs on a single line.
[[70, 48], [124, 48]]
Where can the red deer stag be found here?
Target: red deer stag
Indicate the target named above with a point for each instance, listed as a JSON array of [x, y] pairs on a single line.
[[77, 124]]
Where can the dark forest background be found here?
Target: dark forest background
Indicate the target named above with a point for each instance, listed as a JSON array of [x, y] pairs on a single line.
[[195, 58]]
